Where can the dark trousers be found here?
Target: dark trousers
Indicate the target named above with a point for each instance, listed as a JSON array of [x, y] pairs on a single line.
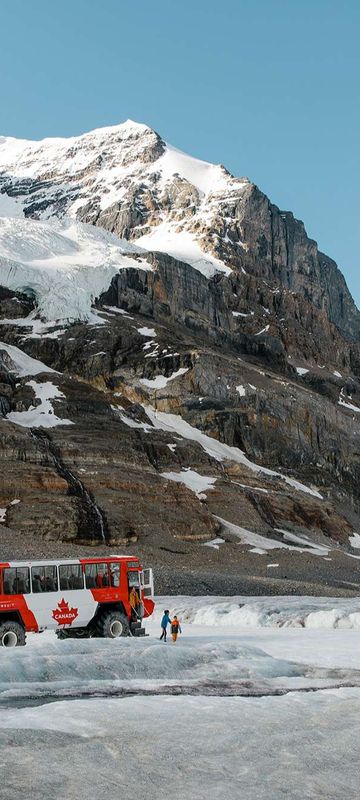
[[163, 635]]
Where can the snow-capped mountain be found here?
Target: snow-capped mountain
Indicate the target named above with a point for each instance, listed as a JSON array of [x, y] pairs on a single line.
[[204, 360], [105, 163], [101, 177], [129, 181], [125, 179]]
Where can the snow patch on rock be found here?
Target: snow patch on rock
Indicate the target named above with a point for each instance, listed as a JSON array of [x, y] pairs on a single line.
[[22, 364], [41, 415], [193, 480], [173, 423], [160, 382]]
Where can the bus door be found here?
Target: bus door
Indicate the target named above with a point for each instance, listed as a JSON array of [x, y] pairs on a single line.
[[135, 582], [147, 582]]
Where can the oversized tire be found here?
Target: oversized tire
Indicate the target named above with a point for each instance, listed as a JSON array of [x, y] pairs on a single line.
[[76, 633], [12, 634], [112, 625]]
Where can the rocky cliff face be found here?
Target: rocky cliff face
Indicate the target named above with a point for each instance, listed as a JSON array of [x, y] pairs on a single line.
[[209, 390]]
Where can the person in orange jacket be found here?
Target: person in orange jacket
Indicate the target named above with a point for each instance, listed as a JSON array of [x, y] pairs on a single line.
[[175, 628], [134, 600]]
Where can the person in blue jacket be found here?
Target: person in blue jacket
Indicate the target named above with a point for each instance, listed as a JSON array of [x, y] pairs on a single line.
[[164, 623]]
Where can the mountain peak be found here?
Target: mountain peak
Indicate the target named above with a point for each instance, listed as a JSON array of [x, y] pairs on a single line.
[[127, 179], [129, 126]]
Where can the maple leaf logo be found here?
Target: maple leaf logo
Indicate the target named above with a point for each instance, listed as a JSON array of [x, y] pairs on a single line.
[[63, 614]]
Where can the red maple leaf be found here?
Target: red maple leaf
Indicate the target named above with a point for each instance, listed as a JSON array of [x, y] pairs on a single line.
[[63, 614]]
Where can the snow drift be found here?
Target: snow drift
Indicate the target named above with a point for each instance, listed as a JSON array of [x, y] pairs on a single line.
[[264, 612]]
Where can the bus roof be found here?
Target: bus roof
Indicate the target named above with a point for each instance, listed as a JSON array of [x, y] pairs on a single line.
[[57, 561]]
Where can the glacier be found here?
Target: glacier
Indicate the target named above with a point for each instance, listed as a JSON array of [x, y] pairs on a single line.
[[241, 711], [298, 747], [66, 265]]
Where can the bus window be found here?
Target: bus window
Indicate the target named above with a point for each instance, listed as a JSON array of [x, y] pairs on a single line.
[[71, 577], [115, 574], [134, 579], [44, 578], [96, 576], [16, 580]]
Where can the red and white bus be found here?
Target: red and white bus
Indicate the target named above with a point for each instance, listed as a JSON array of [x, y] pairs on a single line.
[[83, 597]]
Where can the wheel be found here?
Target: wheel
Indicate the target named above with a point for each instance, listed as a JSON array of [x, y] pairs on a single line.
[[12, 634], [77, 633], [112, 625]]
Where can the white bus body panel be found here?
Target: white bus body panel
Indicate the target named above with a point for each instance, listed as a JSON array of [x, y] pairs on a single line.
[[80, 602]]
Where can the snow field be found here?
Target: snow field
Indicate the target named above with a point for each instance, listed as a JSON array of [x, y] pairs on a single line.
[[281, 642], [301, 746], [182, 245], [215, 543]]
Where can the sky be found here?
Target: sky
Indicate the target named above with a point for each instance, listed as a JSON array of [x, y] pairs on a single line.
[[270, 88]]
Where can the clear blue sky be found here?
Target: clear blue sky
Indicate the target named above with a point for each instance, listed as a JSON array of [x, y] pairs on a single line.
[[270, 88]]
